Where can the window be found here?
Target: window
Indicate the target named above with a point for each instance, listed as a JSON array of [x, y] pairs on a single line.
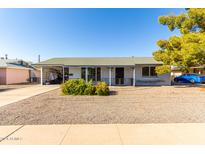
[[94, 74], [145, 71], [149, 72], [152, 71], [195, 70], [98, 74], [91, 74], [83, 73]]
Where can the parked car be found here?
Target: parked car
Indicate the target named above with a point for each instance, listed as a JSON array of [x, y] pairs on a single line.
[[202, 79], [190, 78]]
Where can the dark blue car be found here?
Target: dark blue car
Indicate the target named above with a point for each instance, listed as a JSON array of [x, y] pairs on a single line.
[[189, 78]]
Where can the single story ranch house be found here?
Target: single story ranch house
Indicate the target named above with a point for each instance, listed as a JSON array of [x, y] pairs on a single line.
[[113, 70]]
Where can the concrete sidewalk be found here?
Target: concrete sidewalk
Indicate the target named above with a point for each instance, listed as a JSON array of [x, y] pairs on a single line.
[[15, 95], [178, 133]]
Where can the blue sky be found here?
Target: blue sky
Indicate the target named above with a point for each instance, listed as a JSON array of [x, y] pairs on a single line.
[[25, 33]]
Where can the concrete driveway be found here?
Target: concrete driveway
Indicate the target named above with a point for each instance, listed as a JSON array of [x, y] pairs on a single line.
[[189, 133], [11, 96]]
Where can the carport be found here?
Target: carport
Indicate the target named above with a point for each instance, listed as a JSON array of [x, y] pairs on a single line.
[[51, 75]]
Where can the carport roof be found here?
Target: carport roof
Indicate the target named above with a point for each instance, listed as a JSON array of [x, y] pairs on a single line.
[[100, 61]]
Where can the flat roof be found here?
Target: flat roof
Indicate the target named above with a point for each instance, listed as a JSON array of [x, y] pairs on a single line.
[[99, 61], [12, 63]]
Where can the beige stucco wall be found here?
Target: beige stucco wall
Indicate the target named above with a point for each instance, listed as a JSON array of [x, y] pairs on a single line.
[[14, 76], [76, 71], [2, 76], [176, 73], [105, 72], [164, 79]]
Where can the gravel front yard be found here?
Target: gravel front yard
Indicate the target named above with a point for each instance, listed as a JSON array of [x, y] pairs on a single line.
[[126, 105]]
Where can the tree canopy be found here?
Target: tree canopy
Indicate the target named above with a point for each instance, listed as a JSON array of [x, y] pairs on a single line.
[[186, 50]]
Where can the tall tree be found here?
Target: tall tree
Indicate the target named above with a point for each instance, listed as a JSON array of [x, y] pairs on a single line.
[[186, 50]]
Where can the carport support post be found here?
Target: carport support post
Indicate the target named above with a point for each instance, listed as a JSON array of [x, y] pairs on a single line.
[[86, 74], [63, 75], [42, 75], [110, 76], [134, 76]]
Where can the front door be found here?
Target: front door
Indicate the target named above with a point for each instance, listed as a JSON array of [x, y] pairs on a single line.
[[119, 76]]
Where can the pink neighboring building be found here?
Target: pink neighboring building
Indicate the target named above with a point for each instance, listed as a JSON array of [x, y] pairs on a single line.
[[17, 71]]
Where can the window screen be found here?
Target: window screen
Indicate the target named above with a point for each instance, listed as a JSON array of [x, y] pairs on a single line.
[[98, 74], [91, 74], [83, 73], [152, 71], [145, 71]]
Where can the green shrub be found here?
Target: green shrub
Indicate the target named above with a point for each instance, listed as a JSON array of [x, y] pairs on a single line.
[[80, 87], [102, 89], [73, 87], [90, 89], [64, 89]]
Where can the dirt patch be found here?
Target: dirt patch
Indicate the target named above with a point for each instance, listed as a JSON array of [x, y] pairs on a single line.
[[12, 87], [125, 105], [5, 89]]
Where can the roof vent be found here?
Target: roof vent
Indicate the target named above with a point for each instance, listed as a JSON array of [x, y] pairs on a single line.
[[39, 58]]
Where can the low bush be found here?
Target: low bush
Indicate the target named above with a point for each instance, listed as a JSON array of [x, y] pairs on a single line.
[[90, 89], [64, 90], [80, 87], [73, 87], [102, 89]]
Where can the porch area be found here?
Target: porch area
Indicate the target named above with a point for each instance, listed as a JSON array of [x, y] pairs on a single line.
[[124, 76]]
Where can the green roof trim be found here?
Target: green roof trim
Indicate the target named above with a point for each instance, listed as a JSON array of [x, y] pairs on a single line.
[[100, 61]]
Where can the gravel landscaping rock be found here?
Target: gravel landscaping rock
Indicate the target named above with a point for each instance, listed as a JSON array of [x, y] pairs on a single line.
[[168, 104]]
